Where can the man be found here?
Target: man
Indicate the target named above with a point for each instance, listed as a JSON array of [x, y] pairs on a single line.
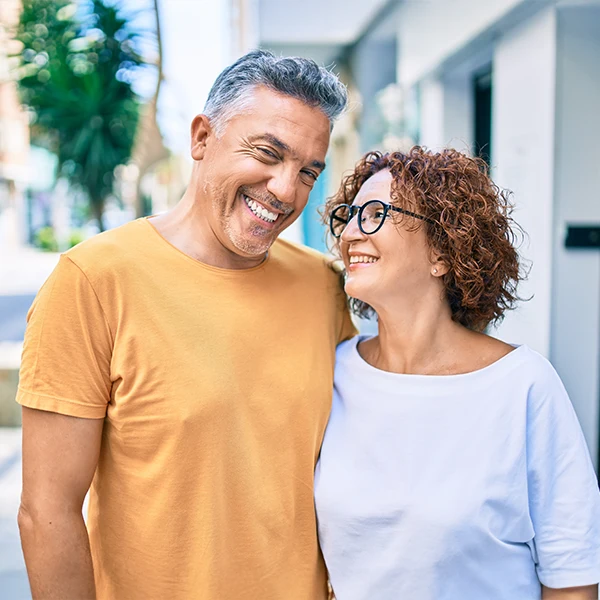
[[183, 366]]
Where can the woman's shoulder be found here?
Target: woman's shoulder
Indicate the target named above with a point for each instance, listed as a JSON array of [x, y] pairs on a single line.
[[345, 350], [545, 391], [538, 368], [520, 358]]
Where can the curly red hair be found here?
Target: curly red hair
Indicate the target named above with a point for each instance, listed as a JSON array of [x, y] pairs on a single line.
[[473, 232]]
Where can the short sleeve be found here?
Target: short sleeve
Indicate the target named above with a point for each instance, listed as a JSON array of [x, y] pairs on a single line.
[[563, 489], [65, 367]]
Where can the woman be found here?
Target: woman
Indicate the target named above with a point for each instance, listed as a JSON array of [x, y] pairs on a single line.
[[453, 466]]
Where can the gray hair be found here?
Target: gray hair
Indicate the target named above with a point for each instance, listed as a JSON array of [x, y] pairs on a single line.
[[296, 77]]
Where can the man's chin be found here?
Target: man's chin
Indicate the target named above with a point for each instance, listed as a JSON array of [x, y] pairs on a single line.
[[250, 239], [250, 247]]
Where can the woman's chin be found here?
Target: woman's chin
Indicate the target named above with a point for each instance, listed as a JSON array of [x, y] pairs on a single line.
[[357, 291]]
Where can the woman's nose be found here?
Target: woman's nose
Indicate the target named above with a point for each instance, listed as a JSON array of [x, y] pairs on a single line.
[[352, 230]]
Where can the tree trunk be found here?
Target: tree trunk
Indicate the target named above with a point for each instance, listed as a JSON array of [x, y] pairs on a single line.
[[97, 206], [153, 107], [160, 50]]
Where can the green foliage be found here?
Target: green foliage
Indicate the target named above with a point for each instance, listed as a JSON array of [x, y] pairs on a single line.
[[75, 75], [76, 236], [46, 240]]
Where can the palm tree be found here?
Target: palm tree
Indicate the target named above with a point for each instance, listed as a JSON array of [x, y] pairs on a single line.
[[75, 76], [149, 148]]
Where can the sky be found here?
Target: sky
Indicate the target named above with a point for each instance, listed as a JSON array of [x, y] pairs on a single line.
[[195, 49]]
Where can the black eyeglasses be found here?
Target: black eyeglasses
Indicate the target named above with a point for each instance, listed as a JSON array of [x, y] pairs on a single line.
[[371, 216]]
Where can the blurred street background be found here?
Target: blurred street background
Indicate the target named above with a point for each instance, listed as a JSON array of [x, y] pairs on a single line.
[[96, 99]]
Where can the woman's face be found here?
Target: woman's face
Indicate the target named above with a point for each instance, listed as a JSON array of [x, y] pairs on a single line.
[[392, 263]]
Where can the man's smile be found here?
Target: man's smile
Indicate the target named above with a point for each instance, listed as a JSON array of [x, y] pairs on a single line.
[[260, 210]]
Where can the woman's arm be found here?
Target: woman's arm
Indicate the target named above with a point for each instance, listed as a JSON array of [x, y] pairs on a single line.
[[564, 501], [588, 592]]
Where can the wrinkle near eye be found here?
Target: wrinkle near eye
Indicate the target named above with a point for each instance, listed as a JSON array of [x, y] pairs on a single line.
[[247, 147], [253, 152]]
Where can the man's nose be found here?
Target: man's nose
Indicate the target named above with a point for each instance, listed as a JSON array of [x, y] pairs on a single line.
[[283, 185]]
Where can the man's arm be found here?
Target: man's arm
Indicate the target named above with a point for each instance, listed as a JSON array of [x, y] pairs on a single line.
[[588, 592], [60, 454]]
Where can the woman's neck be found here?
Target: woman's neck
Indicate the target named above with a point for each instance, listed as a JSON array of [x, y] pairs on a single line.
[[418, 338], [421, 338]]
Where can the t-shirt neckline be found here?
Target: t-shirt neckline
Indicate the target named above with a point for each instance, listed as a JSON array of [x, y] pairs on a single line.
[[502, 365], [202, 265]]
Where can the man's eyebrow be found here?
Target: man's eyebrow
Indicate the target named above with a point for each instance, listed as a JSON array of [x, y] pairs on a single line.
[[269, 137], [318, 164]]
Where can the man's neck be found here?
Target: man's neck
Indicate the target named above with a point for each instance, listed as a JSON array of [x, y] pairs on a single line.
[[185, 228]]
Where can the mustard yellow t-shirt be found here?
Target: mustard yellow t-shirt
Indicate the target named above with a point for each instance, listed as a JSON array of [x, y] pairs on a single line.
[[215, 386]]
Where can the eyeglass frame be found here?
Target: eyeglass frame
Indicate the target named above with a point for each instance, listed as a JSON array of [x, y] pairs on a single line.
[[358, 210]]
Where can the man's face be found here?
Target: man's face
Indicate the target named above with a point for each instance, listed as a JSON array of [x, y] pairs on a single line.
[[258, 174]]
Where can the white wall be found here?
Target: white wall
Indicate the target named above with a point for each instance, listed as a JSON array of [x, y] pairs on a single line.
[[447, 113], [432, 114], [197, 41], [575, 330], [546, 129], [523, 104], [459, 112], [431, 30]]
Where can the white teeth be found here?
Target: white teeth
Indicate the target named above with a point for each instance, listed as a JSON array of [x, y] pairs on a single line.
[[260, 211], [362, 259]]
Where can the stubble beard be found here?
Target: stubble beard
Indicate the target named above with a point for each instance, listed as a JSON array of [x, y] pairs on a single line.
[[254, 241]]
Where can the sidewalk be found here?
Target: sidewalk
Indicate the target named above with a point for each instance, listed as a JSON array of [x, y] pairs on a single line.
[[24, 270], [13, 577], [22, 273]]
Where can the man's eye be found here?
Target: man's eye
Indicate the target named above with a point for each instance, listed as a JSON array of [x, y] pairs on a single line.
[[311, 174], [268, 153]]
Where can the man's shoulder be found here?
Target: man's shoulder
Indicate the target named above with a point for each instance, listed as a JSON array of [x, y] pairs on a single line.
[[317, 270], [108, 249], [302, 257], [293, 249]]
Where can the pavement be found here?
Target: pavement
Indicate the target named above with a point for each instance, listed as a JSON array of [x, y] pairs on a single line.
[[13, 577], [22, 273], [13, 314], [24, 269]]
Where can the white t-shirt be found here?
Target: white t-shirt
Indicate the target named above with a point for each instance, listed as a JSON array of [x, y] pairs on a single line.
[[461, 487]]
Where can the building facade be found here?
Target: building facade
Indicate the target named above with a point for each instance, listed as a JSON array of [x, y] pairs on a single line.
[[517, 82], [14, 139]]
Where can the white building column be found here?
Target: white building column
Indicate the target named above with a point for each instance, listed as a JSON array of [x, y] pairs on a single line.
[[447, 112], [459, 112], [575, 323], [523, 104], [432, 114]]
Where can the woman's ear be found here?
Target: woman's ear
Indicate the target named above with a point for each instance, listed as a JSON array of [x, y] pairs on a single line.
[[438, 267], [437, 270]]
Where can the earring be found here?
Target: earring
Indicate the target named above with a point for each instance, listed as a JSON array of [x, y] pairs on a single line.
[[435, 271]]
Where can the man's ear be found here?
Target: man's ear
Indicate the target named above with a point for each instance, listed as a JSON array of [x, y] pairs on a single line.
[[201, 131]]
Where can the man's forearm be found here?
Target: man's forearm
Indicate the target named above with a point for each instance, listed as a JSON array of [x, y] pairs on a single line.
[[588, 592], [57, 555]]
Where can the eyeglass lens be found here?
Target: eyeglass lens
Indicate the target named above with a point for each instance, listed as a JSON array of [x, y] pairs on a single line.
[[371, 216]]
